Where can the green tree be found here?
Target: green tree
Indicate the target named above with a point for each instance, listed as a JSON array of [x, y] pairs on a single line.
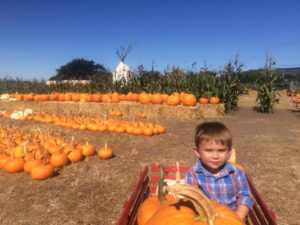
[[78, 69]]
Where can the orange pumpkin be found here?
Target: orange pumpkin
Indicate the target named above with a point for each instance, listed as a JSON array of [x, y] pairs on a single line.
[[183, 212], [189, 100], [203, 100], [88, 149], [97, 97], [58, 159], [154, 203], [30, 164], [115, 97], [144, 98], [42, 171], [173, 99], [14, 165], [214, 100], [105, 152], [156, 98]]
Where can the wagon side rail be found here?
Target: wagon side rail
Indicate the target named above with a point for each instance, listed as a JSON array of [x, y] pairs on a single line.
[[139, 194]]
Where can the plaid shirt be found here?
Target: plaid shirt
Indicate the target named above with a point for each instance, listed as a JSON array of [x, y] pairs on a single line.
[[230, 188]]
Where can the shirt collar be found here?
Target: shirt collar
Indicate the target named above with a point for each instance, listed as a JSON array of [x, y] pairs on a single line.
[[228, 168]]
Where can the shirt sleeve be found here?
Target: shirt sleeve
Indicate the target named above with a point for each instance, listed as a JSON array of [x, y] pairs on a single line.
[[244, 196]]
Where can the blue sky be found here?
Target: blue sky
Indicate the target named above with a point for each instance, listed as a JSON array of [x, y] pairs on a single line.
[[37, 37]]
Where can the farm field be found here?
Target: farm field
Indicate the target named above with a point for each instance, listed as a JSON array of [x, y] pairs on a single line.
[[93, 191]]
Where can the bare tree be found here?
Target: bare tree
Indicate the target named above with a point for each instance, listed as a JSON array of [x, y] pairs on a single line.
[[122, 52]]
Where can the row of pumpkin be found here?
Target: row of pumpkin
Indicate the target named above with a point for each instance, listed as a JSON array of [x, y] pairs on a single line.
[[113, 124], [144, 98], [40, 154]]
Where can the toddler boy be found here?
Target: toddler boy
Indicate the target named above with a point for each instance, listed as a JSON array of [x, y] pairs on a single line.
[[218, 179]]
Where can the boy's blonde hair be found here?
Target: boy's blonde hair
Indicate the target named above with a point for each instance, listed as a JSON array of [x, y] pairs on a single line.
[[213, 131]]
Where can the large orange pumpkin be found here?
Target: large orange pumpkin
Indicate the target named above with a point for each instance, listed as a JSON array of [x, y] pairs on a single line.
[[42, 171], [198, 210], [14, 165], [173, 99], [156, 98], [144, 98], [115, 97], [189, 100], [154, 203], [97, 97]]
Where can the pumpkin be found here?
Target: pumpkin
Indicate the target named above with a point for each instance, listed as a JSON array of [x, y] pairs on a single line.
[[106, 98], [154, 203], [88, 149], [75, 155], [214, 100], [196, 210], [105, 152], [42, 171], [156, 98], [44, 97], [135, 97], [30, 164], [165, 97], [147, 131], [53, 96], [115, 97], [144, 98], [59, 159], [189, 100], [203, 100], [14, 165], [76, 97], [173, 99], [97, 97]]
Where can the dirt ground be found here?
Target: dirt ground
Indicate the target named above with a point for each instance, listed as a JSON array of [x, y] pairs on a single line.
[[94, 191]]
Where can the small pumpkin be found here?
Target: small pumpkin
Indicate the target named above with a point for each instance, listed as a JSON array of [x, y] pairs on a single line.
[[203, 100], [88, 149], [105, 152], [214, 100]]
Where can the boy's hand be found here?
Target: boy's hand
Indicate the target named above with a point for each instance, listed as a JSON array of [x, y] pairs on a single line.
[[242, 211]]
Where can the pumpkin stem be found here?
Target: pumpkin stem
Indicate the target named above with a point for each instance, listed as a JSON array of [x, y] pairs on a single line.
[[161, 194], [202, 204]]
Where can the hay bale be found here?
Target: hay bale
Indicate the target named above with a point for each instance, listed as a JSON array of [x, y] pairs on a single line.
[[130, 110]]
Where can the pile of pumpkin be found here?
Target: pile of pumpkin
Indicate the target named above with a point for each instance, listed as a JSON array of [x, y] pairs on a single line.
[[296, 99], [112, 124], [184, 204], [144, 98], [40, 154]]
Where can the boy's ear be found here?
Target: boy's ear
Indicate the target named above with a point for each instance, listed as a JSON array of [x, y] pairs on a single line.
[[196, 151]]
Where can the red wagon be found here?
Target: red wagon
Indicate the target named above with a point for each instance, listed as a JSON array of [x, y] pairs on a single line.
[[260, 214]]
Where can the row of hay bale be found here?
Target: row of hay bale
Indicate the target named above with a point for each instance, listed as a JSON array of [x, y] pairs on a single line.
[[128, 109]]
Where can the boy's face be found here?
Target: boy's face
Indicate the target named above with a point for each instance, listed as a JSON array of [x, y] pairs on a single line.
[[213, 155]]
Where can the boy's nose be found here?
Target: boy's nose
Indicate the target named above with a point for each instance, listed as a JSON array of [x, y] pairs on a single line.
[[215, 155]]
